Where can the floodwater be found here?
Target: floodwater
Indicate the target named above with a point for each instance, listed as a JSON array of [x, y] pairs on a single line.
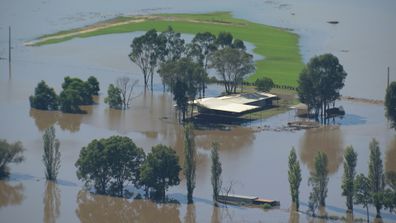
[[254, 161]]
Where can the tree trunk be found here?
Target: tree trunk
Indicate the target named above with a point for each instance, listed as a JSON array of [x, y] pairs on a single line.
[[368, 216]]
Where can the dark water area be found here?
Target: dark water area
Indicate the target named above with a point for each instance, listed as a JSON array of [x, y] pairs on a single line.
[[254, 159]]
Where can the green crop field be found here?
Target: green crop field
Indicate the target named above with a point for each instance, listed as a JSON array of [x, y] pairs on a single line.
[[282, 60]]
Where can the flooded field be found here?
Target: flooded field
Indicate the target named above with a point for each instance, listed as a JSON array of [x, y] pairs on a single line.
[[253, 159]]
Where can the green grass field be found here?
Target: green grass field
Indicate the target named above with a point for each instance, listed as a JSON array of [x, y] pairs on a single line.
[[282, 60]]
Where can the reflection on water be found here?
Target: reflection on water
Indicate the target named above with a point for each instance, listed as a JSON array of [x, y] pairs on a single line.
[[190, 214], [390, 156], [52, 202], [327, 139], [216, 215], [294, 216], [100, 208], [45, 119], [10, 195]]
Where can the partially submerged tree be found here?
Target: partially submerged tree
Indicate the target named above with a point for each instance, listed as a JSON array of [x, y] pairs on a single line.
[[362, 194], [232, 65], [126, 86], [320, 83], [160, 170], [350, 159], [108, 164], [319, 180], [93, 84], [216, 172], [114, 97], [9, 153], [390, 104], [44, 97], [70, 101], [189, 161], [295, 178], [52, 155], [376, 176]]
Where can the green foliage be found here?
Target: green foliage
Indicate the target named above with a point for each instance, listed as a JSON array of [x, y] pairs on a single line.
[[51, 156], [160, 169], [216, 171], [266, 206], [350, 159], [238, 44], [93, 85], [390, 103], [319, 180], [224, 39], [264, 84], [114, 97], [83, 88], [108, 164], [362, 192], [320, 82], [70, 101], [9, 153], [376, 176], [390, 192], [190, 161], [172, 43], [295, 178], [44, 97], [232, 65]]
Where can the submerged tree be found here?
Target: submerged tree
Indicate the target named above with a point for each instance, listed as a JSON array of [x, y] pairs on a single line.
[[216, 172], [390, 103], [114, 97], [126, 86], [9, 153], [376, 176], [362, 194], [319, 181], [190, 161], [350, 159], [295, 178], [44, 97], [51, 156]]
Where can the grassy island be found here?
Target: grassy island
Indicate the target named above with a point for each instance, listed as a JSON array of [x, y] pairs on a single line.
[[282, 60]]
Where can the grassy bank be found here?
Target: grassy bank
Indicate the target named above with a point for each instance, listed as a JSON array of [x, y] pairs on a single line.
[[279, 47]]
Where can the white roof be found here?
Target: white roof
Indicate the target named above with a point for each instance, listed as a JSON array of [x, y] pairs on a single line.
[[241, 196]]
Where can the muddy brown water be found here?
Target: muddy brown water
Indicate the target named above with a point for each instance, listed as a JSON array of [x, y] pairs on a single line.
[[254, 161]]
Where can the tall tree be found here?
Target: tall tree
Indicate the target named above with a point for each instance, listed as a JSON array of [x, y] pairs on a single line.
[[295, 178], [390, 104], [320, 83], [319, 181], [362, 194], [44, 97], [146, 53], [190, 161], [173, 45], [160, 170], [108, 164], [232, 65], [376, 176], [350, 159], [9, 153], [52, 155], [216, 172]]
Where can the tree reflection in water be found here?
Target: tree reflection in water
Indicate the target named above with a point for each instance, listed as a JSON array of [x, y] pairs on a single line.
[[10, 195], [327, 139], [216, 215], [51, 202], [101, 208], [294, 216], [190, 214], [390, 156], [45, 119]]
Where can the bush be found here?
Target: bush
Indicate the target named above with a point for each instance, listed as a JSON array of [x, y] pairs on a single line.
[[44, 97], [264, 84], [9, 153]]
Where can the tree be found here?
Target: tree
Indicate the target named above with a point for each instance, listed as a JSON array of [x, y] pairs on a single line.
[[390, 193], [376, 176], [44, 97], [224, 39], [238, 44], [350, 159], [295, 178], [160, 170], [173, 45], [126, 86], [83, 88], [264, 84], [320, 83], [9, 153], [232, 65], [362, 193], [114, 97], [319, 181], [216, 171], [51, 156], [390, 104], [108, 164], [190, 161], [70, 101], [93, 84], [146, 53]]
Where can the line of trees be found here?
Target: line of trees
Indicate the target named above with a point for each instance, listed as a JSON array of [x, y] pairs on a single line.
[[75, 93], [377, 189]]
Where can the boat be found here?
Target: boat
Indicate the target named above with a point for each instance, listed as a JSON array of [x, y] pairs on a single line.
[[243, 200]]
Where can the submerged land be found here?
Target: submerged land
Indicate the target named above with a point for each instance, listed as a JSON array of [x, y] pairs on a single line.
[[281, 61]]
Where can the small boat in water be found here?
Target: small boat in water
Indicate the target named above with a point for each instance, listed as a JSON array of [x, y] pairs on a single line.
[[246, 200]]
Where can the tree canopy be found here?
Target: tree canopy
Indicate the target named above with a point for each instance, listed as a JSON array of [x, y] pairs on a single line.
[[108, 163], [44, 97], [320, 83], [264, 84]]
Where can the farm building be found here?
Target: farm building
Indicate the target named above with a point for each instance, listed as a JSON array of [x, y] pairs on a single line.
[[235, 105]]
